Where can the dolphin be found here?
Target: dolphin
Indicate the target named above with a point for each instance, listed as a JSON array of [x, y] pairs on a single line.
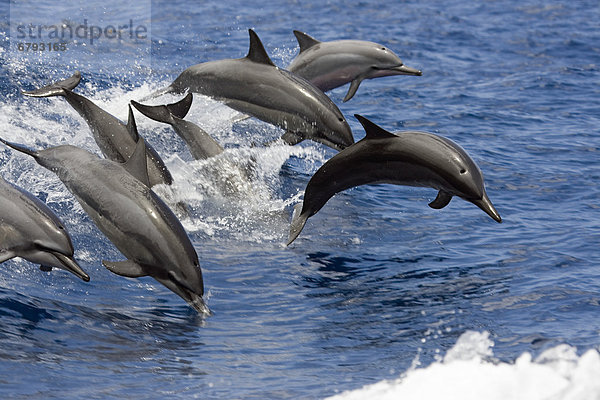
[[30, 230], [331, 64], [111, 135], [118, 199], [231, 178], [409, 158], [253, 85], [200, 143]]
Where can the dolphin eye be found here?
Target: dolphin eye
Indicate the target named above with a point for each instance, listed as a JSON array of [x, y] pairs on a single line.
[[463, 171], [383, 48], [341, 119]]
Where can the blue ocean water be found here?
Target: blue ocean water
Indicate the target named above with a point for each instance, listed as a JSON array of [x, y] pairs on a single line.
[[377, 280]]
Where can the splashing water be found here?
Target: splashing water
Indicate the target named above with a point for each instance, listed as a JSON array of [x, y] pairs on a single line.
[[469, 371], [236, 194]]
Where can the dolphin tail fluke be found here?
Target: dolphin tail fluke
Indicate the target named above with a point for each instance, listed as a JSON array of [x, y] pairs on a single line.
[[165, 113], [57, 88], [298, 222], [21, 148]]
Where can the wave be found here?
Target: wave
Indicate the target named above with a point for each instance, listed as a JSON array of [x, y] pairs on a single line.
[[470, 371]]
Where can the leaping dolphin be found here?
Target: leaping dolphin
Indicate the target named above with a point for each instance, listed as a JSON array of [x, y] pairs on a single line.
[[255, 86], [131, 215], [331, 64], [230, 177], [30, 230], [407, 158], [111, 135], [200, 143]]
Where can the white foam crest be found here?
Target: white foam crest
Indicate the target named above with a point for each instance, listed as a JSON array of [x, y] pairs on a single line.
[[38, 124], [236, 194], [469, 371]]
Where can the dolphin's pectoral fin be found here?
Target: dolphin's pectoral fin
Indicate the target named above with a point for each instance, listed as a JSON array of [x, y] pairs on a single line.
[[126, 268], [352, 90], [441, 201], [298, 222], [6, 255], [305, 41], [57, 88], [45, 268], [291, 138], [137, 165]]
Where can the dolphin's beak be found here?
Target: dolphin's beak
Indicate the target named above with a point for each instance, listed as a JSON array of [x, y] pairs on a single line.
[[404, 70], [20, 147], [486, 205], [71, 265]]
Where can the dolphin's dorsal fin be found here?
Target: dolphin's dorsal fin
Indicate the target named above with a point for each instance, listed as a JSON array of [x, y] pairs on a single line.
[[305, 41], [373, 131], [257, 52], [137, 165], [127, 268], [441, 201], [131, 125]]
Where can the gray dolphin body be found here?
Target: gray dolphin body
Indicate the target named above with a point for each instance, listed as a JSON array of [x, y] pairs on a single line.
[[200, 143], [408, 158], [111, 135], [231, 178], [131, 215], [255, 86], [30, 230], [331, 64]]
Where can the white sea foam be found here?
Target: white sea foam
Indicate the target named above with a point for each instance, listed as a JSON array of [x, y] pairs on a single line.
[[469, 371], [235, 194]]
